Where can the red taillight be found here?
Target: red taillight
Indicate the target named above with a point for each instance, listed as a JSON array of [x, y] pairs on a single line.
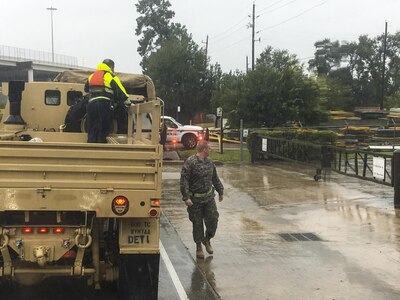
[[153, 212], [43, 230], [120, 205], [120, 201], [155, 203], [27, 230], [173, 141], [200, 138], [58, 230]]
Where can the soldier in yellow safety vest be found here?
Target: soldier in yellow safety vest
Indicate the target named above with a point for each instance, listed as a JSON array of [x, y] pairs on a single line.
[[105, 90]]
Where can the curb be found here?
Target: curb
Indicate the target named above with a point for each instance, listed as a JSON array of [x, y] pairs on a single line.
[[170, 162]]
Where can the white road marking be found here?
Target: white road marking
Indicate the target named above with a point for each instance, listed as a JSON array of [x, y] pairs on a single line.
[[171, 270]]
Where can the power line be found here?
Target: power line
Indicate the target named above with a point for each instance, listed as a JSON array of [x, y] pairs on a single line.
[[272, 5], [233, 26], [217, 40], [230, 45], [273, 26], [228, 35], [275, 9], [294, 17], [222, 33]]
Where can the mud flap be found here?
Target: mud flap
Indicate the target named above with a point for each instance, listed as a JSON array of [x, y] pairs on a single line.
[[138, 276]]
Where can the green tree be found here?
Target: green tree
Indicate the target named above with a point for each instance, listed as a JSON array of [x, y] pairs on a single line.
[[365, 67], [229, 94], [327, 55], [179, 71], [392, 82], [335, 91], [354, 71], [177, 65], [393, 100], [275, 93], [154, 24]]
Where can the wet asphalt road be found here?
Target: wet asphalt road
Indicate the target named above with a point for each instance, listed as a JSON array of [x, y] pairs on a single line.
[[357, 256]]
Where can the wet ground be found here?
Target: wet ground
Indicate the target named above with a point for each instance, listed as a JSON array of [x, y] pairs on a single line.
[[357, 255], [281, 235]]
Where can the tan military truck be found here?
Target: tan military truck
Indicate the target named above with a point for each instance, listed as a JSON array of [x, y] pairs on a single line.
[[69, 208]]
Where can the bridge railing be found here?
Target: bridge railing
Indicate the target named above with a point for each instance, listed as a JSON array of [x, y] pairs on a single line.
[[21, 54], [350, 162]]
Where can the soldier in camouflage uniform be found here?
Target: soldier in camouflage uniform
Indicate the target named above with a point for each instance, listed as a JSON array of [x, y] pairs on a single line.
[[199, 179]]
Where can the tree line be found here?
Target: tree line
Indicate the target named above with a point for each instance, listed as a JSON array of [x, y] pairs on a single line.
[[280, 90]]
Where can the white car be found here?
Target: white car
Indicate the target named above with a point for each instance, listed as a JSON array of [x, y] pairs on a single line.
[[188, 135]]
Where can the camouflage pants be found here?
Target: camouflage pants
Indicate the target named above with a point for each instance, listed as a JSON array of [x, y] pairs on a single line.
[[203, 212]]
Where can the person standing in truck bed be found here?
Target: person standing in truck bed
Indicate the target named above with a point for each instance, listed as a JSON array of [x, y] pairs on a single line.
[[198, 179], [105, 90]]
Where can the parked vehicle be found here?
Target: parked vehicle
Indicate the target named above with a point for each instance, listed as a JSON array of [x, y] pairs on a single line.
[[69, 208], [188, 135]]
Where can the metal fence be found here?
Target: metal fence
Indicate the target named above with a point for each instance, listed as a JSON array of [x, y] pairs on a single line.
[[20, 54], [350, 162], [358, 163]]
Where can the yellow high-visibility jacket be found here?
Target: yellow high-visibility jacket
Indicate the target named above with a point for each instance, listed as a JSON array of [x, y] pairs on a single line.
[[104, 84]]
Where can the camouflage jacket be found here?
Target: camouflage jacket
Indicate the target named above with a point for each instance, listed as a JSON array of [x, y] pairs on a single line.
[[199, 176]]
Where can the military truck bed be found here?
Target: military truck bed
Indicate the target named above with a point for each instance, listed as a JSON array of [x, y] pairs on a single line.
[[26, 164], [77, 176]]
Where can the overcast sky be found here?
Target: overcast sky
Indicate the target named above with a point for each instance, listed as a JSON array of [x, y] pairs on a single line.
[[95, 29]]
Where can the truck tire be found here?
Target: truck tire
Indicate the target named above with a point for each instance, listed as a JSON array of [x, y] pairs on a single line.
[[189, 141], [138, 276]]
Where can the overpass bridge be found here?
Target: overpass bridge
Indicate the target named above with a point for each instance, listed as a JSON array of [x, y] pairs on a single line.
[[31, 65]]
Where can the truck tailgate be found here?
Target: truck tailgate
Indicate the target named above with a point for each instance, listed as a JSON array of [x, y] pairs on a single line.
[[78, 166]]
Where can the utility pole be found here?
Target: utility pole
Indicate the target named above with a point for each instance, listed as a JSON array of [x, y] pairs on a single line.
[[206, 42], [253, 27], [52, 36], [384, 66], [247, 64], [253, 35], [206, 52]]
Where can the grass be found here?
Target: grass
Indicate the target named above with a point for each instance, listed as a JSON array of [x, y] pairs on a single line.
[[228, 157]]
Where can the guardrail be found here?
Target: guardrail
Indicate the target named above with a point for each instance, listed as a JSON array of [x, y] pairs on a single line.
[[358, 163], [350, 162]]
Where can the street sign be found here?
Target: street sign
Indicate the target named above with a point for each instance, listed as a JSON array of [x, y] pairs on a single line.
[[378, 168], [219, 111], [264, 146], [245, 132]]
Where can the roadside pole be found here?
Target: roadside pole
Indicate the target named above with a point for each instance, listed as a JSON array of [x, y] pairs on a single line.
[[241, 140], [221, 135], [221, 144], [396, 178]]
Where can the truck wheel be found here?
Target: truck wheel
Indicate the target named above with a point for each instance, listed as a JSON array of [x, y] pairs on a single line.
[[138, 276], [189, 141]]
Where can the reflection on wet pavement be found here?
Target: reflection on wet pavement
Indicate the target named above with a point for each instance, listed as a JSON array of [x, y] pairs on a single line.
[[207, 269], [359, 257]]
